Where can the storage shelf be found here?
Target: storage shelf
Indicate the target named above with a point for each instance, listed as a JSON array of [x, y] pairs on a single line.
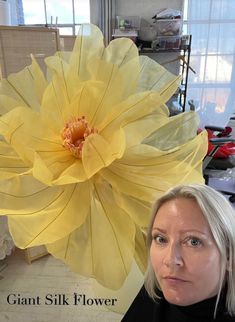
[[183, 51]]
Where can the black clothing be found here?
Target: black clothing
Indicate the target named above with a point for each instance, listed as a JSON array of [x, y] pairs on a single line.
[[144, 309]]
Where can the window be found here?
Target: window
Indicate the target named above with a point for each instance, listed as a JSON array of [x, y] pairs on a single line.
[[66, 14], [62, 11], [82, 11], [33, 12], [212, 25]]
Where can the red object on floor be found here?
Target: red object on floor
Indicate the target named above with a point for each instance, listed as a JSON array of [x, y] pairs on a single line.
[[225, 150]]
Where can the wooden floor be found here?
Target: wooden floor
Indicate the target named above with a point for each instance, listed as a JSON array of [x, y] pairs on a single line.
[[47, 280]]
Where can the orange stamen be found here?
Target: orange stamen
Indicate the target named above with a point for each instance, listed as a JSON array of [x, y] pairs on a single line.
[[75, 133]]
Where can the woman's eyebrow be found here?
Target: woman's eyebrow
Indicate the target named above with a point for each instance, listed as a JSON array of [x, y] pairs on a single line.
[[183, 231], [159, 229]]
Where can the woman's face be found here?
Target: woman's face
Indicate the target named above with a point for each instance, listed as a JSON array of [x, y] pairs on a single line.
[[183, 253]]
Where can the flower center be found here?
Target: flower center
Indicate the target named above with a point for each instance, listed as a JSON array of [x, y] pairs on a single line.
[[75, 133]]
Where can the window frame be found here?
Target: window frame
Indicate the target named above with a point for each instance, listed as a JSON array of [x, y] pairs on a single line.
[[72, 25]]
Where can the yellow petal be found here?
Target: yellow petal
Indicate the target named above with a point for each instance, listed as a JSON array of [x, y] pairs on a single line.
[[117, 144], [71, 174], [26, 86], [178, 130], [135, 185], [97, 153], [137, 209], [135, 107], [38, 79], [138, 130], [120, 51], [54, 103], [38, 214], [141, 250], [104, 245], [124, 54], [68, 85], [7, 103], [16, 127], [41, 172], [74, 66], [89, 36], [57, 64], [94, 99], [110, 93], [58, 168], [24, 195], [146, 173], [7, 89], [10, 164], [6, 150], [155, 77]]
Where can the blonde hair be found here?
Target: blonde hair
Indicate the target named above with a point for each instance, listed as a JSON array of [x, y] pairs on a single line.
[[221, 219]]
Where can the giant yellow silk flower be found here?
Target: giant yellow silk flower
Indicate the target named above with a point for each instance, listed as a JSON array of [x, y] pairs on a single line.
[[87, 150]]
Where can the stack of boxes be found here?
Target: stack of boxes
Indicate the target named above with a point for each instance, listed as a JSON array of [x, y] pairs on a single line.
[[165, 32], [168, 34]]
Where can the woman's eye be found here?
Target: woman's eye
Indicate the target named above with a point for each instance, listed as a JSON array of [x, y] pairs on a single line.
[[194, 242], [160, 239]]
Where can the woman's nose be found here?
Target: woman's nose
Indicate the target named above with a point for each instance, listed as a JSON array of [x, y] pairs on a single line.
[[173, 256]]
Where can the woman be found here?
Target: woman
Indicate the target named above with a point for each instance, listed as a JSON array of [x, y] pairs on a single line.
[[191, 269]]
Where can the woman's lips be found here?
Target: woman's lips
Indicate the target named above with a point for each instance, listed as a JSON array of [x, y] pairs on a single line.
[[174, 279]]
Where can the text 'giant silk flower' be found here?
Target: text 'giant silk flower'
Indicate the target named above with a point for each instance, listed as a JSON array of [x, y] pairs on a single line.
[[87, 151]]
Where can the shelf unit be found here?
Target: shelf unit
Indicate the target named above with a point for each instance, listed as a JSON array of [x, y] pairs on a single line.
[[182, 53], [185, 66]]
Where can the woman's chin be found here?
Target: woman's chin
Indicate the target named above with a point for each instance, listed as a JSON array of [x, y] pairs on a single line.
[[178, 299]]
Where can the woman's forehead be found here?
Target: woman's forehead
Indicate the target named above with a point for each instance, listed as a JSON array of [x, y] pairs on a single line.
[[181, 212]]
